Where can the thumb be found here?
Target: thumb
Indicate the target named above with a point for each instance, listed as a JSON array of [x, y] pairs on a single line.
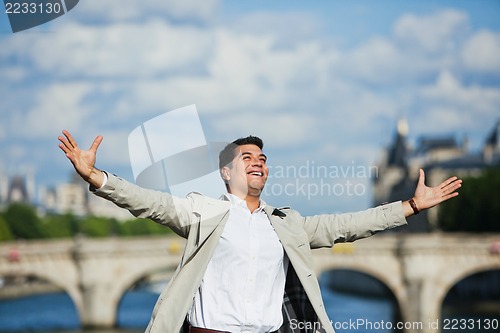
[[421, 179]]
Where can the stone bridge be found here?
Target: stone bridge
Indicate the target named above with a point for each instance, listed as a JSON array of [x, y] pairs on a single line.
[[419, 269]]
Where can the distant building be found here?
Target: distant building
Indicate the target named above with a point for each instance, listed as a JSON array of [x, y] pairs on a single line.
[[440, 157], [72, 197], [17, 188], [75, 198], [4, 187], [17, 191]]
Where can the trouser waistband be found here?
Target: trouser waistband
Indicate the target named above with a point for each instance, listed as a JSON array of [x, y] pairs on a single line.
[[206, 330]]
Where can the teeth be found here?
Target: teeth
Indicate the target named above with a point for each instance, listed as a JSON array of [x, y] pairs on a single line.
[[256, 173]]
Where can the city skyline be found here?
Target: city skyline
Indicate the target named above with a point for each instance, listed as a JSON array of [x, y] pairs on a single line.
[[440, 156]]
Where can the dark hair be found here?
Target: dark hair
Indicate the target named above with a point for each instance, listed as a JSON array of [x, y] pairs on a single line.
[[227, 154]]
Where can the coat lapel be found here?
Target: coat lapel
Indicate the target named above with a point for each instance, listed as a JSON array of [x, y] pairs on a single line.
[[297, 306], [213, 213], [290, 236]]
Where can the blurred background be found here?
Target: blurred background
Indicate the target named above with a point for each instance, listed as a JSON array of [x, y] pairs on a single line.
[[351, 98]]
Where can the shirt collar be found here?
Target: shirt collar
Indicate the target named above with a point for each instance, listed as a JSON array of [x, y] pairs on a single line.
[[237, 201]]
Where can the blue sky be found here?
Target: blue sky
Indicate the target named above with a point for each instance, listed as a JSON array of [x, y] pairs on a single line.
[[322, 82]]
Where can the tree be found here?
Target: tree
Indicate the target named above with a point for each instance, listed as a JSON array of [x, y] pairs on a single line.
[[477, 208], [60, 226], [94, 226], [23, 221], [5, 233], [141, 227]]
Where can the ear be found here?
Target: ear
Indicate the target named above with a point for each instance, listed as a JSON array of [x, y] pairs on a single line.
[[224, 172]]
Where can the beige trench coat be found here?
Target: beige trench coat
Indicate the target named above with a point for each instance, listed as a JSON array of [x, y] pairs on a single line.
[[201, 220]]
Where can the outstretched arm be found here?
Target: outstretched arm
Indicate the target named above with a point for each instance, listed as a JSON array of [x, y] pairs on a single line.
[[426, 197], [83, 160]]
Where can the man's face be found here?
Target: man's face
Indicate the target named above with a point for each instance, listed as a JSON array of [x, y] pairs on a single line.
[[248, 173]]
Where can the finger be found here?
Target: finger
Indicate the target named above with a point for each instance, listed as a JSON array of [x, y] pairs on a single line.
[[448, 181], [64, 148], [453, 182], [449, 196], [452, 187], [64, 142], [421, 178], [70, 138], [96, 143], [69, 154]]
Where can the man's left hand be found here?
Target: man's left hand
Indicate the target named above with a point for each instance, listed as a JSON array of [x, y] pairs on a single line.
[[426, 197]]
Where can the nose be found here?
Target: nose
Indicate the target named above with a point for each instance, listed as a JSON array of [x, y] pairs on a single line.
[[256, 162]]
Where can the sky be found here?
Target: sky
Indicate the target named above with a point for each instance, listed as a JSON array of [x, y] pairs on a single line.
[[323, 83]]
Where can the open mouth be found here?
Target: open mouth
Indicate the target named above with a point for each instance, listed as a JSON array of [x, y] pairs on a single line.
[[256, 173]]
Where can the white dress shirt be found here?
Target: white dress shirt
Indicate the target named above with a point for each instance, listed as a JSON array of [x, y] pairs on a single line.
[[242, 289]]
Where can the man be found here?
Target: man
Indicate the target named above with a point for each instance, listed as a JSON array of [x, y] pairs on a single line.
[[246, 266]]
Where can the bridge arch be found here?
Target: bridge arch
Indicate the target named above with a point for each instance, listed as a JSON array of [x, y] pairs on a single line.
[[102, 293], [53, 279], [56, 271], [128, 281], [135, 305], [385, 268], [377, 273], [459, 276], [437, 287], [471, 293], [38, 291], [335, 285]]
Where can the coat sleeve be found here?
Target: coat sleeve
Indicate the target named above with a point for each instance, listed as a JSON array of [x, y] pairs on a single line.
[[161, 207], [326, 230]]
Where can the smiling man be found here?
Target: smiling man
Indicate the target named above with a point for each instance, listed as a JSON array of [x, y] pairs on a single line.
[[246, 266]]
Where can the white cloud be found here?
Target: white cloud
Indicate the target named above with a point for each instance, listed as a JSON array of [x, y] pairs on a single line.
[[55, 107], [376, 61], [432, 33], [244, 71], [481, 52], [469, 99], [113, 150], [450, 107], [444, 118], [127, 10], [119, 50], [14, 74], [277, 129], [289, 26], [16, 152]]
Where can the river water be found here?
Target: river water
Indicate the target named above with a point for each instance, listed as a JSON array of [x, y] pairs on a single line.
[[55, 312]]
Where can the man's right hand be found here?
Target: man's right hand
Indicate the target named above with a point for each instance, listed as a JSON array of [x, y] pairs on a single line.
[[83, 160]]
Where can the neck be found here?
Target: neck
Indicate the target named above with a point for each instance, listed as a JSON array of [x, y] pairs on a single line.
[[253, 201]]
